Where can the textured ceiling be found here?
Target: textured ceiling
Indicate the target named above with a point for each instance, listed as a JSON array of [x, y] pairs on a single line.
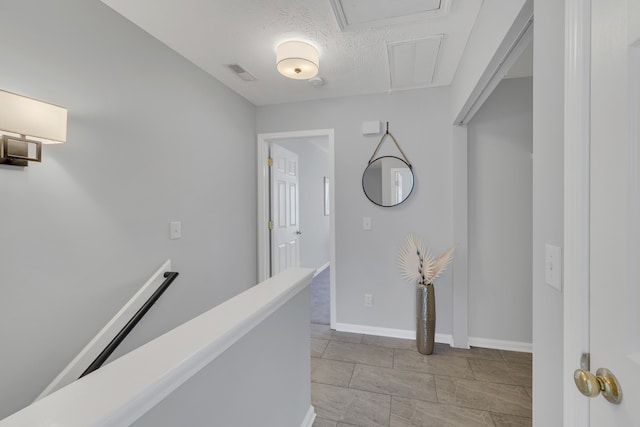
[[215, 33]]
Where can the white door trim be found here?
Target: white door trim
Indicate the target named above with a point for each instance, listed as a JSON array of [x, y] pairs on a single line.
[[517, 39], [577, 130], [263, 205]]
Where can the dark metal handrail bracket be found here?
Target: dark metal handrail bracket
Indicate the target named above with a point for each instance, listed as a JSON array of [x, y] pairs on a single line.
[[170, 276]]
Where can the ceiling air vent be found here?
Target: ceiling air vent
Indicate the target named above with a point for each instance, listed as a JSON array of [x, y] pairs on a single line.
[[241, 72]]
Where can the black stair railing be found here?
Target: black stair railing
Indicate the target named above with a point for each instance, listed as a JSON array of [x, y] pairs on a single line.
[[170, 276]]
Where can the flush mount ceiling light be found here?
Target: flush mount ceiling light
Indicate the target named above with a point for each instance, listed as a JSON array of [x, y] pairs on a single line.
[[297, 60]]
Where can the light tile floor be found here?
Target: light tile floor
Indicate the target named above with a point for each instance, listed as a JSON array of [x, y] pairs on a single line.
[[370, 381]]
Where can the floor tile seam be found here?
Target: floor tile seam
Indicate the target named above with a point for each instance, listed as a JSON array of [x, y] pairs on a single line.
[[435, 385], [369, 391], [500, 413], [512, 367], [354, 389], [346, 342], [324, 349], [519, 386], [353, 370], [501, 383], [503, 352], [341, 421], [452, 405], [392, 394], [458, 352], [519, 362], [408, 371], [354, 361], [471, 356], [363, 344], [435, 374], [507, 362], [331, 384], [482, 381], [366, 391], [522, 366], [375, 345], [391, 408], [460, 356], [466, 406], [347, 388]]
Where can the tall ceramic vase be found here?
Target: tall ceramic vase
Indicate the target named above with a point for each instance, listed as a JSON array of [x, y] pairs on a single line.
[[426, 318]]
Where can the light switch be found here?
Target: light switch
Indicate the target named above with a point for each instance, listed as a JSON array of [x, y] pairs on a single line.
[[553, 266], [371, 128], [366, 223], [175, 230]]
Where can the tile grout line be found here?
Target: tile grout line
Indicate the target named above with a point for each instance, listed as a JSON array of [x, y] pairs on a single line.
[[351, 377], [471, 407]]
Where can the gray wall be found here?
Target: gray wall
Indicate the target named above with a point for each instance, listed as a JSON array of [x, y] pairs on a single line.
[[548, 133], [151, 139], [313, 158], [366, 260], [500, 207], [253, 383]]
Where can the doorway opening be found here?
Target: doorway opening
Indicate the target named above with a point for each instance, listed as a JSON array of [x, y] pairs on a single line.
[[315, 152]]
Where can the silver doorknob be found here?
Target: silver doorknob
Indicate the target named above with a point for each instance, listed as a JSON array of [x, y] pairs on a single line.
[[298, 232], [602, 382]]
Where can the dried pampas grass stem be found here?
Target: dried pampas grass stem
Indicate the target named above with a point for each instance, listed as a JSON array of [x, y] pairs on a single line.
[[418, 265]]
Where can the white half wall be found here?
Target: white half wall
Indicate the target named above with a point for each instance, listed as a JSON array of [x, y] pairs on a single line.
[[151, 139], [366, 260], [313, 158], [500, 139], [253, 383]]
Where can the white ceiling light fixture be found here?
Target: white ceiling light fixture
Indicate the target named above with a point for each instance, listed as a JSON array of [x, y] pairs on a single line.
[[297, 60]]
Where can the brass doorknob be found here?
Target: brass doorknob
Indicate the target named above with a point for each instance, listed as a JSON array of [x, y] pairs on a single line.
[[602, 382]]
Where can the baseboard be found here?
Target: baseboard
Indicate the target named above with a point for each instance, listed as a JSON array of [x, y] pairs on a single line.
[[388, 332], [321, 268], [309, 418], [501, 344], [439, 338]]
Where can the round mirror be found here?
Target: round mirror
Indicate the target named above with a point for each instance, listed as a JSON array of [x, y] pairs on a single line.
[[387, 181]]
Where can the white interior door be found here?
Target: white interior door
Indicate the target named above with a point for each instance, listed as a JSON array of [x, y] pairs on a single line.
[[615, 195], [285, 248]]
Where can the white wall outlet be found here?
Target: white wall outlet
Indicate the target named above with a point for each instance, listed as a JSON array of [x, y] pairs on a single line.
[[368, 300], [553, 266], [175, 230], [366, 223]]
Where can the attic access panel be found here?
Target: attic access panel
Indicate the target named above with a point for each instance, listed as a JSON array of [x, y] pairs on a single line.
[[358, 14], [412, 63]]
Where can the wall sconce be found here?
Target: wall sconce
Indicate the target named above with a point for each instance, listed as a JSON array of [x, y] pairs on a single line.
[[26, 124], [297, 60]]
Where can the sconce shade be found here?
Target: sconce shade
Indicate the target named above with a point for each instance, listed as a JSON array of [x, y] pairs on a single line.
[[297, 60], [32, 118]]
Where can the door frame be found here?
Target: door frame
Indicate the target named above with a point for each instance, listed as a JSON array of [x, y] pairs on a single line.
[[264, 249], [577, 159]]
